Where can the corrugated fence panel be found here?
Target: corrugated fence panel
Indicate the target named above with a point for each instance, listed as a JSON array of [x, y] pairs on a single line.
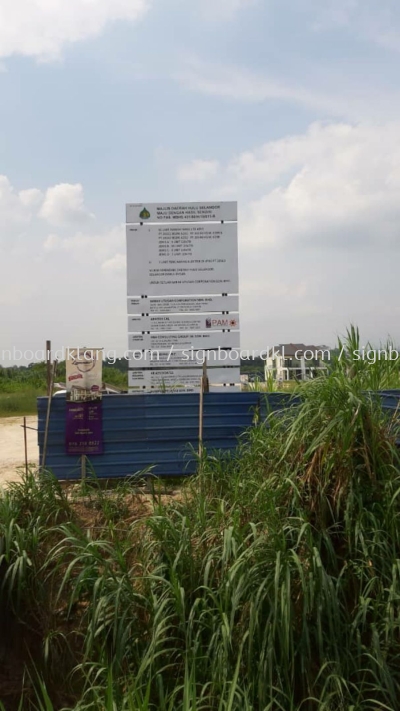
[[390, 400], [160, 432], [155, 431]]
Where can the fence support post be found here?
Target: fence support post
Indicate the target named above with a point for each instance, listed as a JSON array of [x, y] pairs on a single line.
[[25, 448], [83, 466], [46, 429], [48, 367], [204, 388]]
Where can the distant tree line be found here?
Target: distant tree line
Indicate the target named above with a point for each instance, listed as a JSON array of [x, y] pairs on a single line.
[[34, 375], [18, 377]]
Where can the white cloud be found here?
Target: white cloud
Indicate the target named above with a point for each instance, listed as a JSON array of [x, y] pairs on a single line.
[[65, 283], [117, 263], [52, 243], [326, 94], [15, 208], [343, 188], [238, 84], [198, 170], [319, 233], [319, 237], [23, 220], [104, 248], [31, 198], [41, 28], [335, 185], [64, 204]]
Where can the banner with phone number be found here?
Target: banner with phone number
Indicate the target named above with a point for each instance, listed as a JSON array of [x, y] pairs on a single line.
[[84, 427]]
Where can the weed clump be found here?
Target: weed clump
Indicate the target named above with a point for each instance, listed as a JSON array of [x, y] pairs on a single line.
[[271, 583]]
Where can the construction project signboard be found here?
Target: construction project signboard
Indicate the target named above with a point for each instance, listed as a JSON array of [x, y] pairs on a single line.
[[182, 259], [183, 290]]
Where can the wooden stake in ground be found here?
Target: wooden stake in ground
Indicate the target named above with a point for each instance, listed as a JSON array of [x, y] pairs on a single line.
[[46, 429], [204, 388], [83, 466], [25, 448]]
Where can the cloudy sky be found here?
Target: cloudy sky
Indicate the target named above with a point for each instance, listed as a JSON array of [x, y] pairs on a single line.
[[289, 106]]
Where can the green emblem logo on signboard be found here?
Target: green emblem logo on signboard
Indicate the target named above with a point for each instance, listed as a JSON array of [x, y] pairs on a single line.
[[144, 214]]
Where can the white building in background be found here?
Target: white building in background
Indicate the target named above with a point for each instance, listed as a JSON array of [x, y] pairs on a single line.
[[296, 361]]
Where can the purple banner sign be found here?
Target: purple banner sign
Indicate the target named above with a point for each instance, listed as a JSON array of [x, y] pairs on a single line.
[[84, 428]]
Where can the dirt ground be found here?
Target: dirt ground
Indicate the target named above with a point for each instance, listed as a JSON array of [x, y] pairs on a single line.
[[12, 446]]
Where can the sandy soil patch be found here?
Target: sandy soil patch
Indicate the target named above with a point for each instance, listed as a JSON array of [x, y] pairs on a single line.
[[12, 446]]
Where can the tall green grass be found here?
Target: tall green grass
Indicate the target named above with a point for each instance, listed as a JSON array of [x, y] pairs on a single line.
[[20, 402], [272, 584]]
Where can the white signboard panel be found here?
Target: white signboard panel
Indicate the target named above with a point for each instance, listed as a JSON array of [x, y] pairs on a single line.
[[182, 259], [183, 322], [165, 341], [138, 378], [182, 304], [185, 389], [181, 212], [183, 359], [182, 377]]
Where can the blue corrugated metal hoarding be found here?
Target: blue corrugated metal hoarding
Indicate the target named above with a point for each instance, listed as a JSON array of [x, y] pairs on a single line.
[[390, 401], [158, 431], [161, 431]]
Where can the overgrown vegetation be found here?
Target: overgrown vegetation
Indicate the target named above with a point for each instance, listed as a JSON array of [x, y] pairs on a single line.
[[272, 582], [19, 402]]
